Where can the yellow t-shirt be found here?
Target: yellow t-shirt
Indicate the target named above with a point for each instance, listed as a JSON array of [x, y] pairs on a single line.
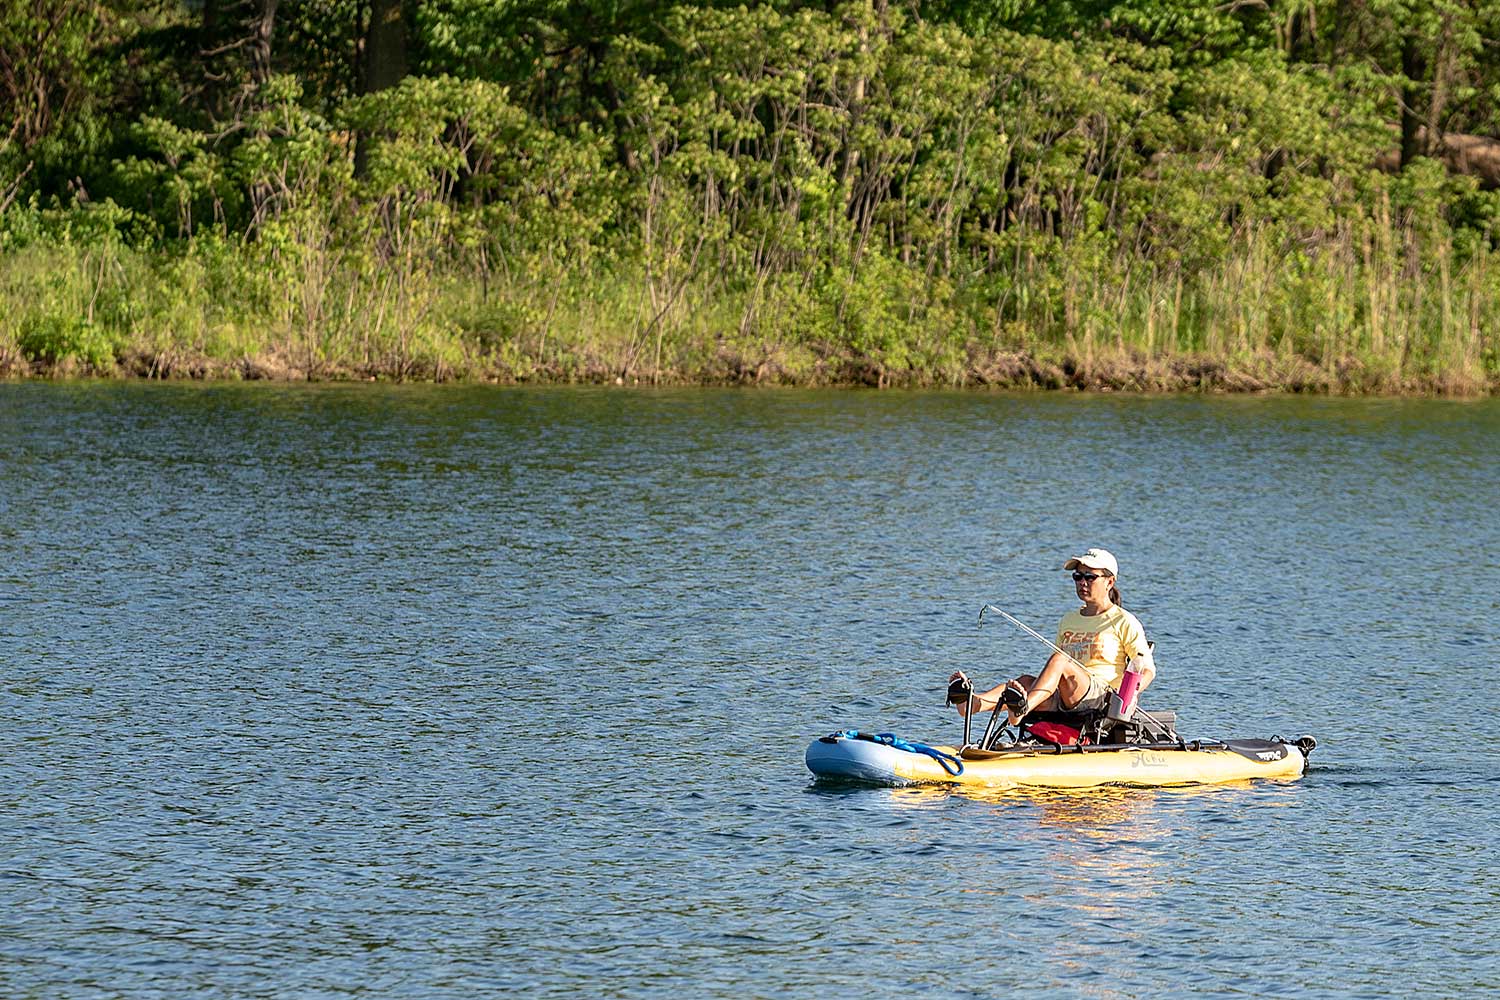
[[1102, 643]]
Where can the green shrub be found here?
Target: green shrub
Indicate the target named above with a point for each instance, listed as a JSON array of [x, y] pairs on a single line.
[[53, 340]]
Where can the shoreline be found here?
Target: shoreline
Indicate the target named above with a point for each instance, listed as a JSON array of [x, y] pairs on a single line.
[[1124, 372]]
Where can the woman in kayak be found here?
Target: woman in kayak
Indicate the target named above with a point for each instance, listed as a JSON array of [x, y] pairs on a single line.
[[1096, 641]]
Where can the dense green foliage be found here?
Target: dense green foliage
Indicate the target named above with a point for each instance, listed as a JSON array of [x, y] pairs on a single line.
[[1139, 193]]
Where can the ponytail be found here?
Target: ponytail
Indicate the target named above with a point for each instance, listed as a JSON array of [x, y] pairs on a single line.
[[1114, 596]]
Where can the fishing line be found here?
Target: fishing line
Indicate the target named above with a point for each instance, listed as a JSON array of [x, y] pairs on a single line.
[[1028, 630]]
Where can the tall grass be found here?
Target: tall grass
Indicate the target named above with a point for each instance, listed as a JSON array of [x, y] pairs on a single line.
[[1347, 315]]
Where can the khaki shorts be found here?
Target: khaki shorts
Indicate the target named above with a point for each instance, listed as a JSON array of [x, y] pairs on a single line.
[[1096, 698]]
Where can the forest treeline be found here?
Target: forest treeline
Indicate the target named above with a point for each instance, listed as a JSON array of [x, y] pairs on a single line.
[[1150, 194]]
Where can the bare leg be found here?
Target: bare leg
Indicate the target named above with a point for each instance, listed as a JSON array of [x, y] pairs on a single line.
[[1061, 683]]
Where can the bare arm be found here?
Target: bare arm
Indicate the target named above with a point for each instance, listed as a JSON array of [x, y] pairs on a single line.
[[1147, 669]]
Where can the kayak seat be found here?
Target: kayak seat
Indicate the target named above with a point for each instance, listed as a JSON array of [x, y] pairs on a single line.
[[1148, 726], [1061, 728]]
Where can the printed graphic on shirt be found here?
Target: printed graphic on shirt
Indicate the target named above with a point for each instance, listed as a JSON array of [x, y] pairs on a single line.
[[1102, 644], [1083, 646]]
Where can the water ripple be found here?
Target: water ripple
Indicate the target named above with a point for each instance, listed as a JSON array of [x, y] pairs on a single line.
[[437, 692]]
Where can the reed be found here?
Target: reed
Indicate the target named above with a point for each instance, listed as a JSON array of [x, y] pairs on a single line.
[[1350, 314], [1348, 308]]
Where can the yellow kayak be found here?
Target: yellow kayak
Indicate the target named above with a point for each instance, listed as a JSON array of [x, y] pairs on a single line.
[[887, 760]]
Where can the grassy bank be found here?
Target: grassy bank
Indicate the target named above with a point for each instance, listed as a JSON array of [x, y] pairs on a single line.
[[1341, 321]]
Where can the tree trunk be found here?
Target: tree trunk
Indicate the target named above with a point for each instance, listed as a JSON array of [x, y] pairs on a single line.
[[262, 25], [210, 35], [1441, 72], [849, 169], [262, 29], [1413, 67], [383, 65], [385, 62]]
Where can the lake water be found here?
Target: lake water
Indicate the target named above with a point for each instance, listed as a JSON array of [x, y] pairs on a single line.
[[361, 691]]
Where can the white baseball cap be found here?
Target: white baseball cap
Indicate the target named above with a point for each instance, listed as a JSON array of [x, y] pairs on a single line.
[[1095, 559]]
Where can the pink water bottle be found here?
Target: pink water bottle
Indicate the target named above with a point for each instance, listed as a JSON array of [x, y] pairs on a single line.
[[1122, 703]]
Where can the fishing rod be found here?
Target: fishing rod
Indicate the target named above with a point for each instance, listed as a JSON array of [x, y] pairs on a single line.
[[1027, 629], [961, 691]]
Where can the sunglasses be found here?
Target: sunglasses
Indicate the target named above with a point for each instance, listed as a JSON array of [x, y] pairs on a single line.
[[1090, 577]]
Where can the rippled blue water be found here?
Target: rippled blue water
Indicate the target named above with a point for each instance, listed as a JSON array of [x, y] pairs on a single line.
[[456, 692]]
